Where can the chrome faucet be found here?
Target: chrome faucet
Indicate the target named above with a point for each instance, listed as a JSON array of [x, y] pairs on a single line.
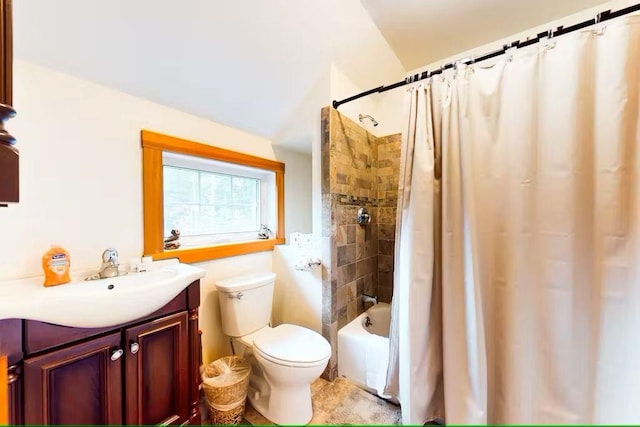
[[370, 298], [109, 267]]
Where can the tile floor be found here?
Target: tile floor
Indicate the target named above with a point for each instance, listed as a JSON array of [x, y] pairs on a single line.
[[340, 402]]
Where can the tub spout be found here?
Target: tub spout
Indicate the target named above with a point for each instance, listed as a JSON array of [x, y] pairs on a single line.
[[370, 298]]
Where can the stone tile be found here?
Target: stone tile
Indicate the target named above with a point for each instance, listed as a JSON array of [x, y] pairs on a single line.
[[386, 216], [385, 279], [346, 254], [360, 305], [351, 233], [385, 294], [371, 248], [362, 248], [342, 317], [386, 247], [360, 286], [391, 194], [386, 231], [329, 301], [360, 231], [327, 216], [361, 268], [341, 297], [352, 311], [346, 215], [385, 263], [319, 417], [368, 233], [346, 234], [328, 398], [385, 163], [330, 373], [351, 291], [346, 274], [370, 285], [373, 264]]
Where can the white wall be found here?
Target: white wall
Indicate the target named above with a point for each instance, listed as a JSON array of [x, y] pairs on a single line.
[[385, 107], [297, 297], [81, 179], [297, 190]]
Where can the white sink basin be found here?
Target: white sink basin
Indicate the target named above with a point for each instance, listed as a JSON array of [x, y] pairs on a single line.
[[97, 303]]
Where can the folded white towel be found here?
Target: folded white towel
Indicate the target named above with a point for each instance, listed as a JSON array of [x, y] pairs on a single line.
[[307, 263], [377, 360]]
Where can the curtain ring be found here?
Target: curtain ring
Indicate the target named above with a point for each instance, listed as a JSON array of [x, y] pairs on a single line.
[[602, 29], [551, 43]]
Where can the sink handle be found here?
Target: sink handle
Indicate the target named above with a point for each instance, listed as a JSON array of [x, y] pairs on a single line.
[[117, 354], [134, 347]]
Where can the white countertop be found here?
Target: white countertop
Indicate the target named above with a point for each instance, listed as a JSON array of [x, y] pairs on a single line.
[[96, 303]]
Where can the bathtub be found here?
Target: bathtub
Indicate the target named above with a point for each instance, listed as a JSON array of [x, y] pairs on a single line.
[[363, 349]]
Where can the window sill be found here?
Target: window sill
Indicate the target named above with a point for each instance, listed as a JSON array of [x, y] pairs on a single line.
[[206, 253]]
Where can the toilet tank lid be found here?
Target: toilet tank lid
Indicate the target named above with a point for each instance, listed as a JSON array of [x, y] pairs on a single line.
[[245, 282]]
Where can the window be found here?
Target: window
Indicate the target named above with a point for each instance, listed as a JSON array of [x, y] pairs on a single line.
[[218, 199]]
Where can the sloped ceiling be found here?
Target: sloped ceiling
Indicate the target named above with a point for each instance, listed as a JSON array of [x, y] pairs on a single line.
[[248, 64], [236, 63], [260, 65], [423, 31]]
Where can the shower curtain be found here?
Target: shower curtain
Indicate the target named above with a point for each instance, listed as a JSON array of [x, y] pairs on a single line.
[[517, 287]]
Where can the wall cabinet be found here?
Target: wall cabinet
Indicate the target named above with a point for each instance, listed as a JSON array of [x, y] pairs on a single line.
[[9, 155], [141, 372]]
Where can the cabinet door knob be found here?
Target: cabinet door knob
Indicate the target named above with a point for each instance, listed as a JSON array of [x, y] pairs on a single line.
[[117, 354], [134, 347]]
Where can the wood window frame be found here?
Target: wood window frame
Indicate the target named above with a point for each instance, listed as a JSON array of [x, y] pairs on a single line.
[[153, 145]]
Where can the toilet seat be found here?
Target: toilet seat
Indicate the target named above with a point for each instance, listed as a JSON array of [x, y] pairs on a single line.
[[291, 345]]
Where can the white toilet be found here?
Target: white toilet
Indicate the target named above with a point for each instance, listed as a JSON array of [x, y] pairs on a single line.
[[285, 359]]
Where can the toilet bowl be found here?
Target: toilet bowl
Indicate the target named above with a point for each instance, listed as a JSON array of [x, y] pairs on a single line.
[[285, 359]]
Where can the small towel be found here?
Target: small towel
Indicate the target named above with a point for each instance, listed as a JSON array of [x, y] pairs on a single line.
[[307, 263], [377, 360]]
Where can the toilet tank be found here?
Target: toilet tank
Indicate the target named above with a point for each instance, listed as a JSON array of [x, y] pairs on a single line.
[[245, 303]]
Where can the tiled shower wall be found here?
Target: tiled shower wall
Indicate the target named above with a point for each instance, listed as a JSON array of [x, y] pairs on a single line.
[[387, 173], [353, 177]]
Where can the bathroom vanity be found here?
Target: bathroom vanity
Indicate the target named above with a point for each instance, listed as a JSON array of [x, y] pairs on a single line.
[[143, 371]]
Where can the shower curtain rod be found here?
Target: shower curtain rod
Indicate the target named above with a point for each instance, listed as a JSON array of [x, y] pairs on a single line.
[[559, 31]]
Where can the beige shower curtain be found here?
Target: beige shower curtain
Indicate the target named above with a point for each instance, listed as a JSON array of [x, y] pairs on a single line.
[[540, 249], [415, 374]]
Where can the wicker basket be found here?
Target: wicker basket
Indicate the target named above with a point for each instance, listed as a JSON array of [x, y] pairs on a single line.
[[231, 416], [225, 383]]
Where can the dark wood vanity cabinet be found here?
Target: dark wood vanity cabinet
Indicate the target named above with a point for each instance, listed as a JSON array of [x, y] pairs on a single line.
[[77, 384], [11, 345], [160, 346], [136, 373]]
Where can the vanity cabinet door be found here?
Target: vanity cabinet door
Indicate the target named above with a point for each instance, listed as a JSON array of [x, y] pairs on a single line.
[[15, 395], [156, 372], [79, 384]]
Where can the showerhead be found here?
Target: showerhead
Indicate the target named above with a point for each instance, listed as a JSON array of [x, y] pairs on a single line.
[[361, 118]]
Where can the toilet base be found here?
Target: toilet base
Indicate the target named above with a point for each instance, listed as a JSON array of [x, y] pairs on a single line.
[[290, 406]]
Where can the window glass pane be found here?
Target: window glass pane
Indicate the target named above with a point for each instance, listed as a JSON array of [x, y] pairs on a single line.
[[207, 203], [180, 185]]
